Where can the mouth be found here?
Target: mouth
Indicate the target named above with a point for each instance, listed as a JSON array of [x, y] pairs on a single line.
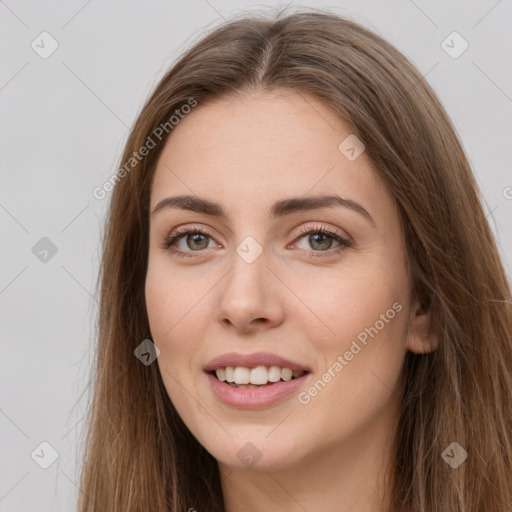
[[244, 377]]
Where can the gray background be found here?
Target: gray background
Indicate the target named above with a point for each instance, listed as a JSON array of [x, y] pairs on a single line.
[[64, 121]]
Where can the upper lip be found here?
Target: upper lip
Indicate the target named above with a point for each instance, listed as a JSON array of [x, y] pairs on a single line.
[[253, 360]]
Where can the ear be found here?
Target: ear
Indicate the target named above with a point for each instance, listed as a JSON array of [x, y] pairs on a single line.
[[422, 338]]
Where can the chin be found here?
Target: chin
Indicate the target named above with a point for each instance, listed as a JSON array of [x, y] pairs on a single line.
[[255, 453]]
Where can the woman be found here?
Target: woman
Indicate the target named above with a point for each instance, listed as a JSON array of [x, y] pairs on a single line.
[[302, 304]]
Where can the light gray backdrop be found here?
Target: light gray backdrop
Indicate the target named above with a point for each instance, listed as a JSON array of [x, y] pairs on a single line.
[[65, 115]]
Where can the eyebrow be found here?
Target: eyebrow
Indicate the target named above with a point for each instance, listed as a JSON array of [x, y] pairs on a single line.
[[279, 209]]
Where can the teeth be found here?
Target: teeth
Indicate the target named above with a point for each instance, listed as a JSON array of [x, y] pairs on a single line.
[[286, 374], [258, 376], [230, 374], [242, 375], [274, 374]]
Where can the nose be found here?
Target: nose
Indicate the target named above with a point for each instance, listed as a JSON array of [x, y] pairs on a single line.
[[250, 297]]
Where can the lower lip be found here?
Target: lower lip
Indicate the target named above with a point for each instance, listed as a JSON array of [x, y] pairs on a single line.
[[253, 398]]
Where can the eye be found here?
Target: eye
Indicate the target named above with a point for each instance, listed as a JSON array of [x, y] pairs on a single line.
[[320, 239], [187, 241], [314, 240]]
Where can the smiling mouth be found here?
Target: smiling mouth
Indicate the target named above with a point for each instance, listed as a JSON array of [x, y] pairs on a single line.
[[257, 377]]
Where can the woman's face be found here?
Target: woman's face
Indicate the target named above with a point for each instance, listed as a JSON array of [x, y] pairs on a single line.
[[300, 257]]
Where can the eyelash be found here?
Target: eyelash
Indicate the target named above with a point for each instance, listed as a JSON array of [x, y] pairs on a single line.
[[170, 242]]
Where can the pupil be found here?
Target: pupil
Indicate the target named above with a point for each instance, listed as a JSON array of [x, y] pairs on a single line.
[[198, 239], [318, 241]]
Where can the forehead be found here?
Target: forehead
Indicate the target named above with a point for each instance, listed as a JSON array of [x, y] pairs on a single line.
[[252, 150]]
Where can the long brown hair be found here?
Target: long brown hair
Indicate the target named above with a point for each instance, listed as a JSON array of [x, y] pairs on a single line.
[[139, 455]]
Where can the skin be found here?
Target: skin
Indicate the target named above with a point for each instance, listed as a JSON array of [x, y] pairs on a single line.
[[295, 300]]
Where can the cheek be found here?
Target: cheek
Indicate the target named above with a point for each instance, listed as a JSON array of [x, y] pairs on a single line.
[[179, 314], [174, 319], [364, 315], [360, 378], [170, 308], [343, 302], [172, 298]]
